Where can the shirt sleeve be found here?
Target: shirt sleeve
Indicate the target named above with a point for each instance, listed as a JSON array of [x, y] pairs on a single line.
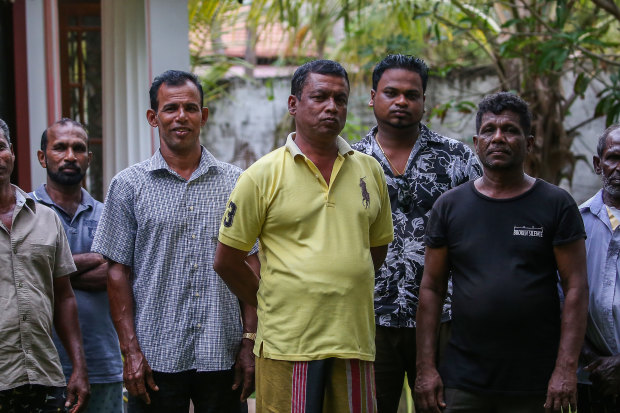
[[382, 230], [116, 232], [569, 224], [63, 261], [254, 249], [436, 234], [244, 215]]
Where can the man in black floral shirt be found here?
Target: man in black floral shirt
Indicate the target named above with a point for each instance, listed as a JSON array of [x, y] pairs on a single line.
[[419, 166]]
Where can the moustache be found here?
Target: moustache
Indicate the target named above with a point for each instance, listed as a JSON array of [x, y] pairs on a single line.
[[72, 166]]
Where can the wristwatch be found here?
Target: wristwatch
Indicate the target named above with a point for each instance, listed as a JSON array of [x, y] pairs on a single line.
[[250, 336]]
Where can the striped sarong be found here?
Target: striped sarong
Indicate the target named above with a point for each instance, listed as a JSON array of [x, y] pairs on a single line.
[[319, 386]]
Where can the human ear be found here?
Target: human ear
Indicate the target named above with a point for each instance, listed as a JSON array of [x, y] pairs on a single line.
[[292, 105], [596, 162]]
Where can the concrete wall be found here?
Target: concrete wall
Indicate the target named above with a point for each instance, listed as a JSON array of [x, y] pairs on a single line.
[[242, 126]]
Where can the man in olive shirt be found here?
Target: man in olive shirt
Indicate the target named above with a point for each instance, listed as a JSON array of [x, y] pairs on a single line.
[[34, 291]]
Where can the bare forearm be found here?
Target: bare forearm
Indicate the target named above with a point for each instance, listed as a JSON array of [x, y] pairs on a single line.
[[88, 261], [248, 312], [428, 389], [571, 261], [121, 306], [378, 255], [241, 281], [573, 328], [248, 317], [432, 293], [231, 265], [95, 279], [427, 323]]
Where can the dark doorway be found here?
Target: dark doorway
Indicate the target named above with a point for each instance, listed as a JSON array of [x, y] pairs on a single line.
[[79, 24], [7, 77]]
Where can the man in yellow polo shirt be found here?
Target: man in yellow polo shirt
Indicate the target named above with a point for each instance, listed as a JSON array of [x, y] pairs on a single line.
[[322, 214]]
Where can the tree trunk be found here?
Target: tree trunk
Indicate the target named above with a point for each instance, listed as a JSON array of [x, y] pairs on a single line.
[[551, 158]]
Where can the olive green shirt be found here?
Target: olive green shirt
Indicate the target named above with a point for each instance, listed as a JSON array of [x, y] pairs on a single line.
[[32, 254]]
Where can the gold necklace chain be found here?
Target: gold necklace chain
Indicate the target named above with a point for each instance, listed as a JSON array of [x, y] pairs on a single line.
[[398, 173]]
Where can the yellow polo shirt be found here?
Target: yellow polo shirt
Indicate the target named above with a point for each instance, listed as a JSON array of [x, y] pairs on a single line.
[[315, 298]]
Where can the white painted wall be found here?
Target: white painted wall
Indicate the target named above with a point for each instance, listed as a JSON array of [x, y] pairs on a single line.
[[37, 90], [168, 34], [126, 135], [140, 39]]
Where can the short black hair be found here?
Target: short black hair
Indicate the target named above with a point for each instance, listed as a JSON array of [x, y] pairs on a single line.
[[5, 131], [63, 122], [602, 141], [322, 67], [173, 78], [501, 101], [400, 61]]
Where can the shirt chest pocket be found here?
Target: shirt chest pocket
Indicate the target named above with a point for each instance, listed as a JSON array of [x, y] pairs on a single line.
[[209, 223], [90, 226], [38, 259], [204, 218]]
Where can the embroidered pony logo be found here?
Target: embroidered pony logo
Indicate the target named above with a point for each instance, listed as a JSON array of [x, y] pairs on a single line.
[[365, 194]]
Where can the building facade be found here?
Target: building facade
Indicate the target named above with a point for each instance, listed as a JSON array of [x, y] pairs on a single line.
[[90, 60]]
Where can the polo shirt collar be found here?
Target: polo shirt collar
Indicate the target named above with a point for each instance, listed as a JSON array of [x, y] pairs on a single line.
[[428, 136], [596, 207], [41, 195], [594, 204], [343, 146], [207, 162]]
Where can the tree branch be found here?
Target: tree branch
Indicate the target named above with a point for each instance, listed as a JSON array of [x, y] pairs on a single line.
[[467, 31], [572, 130], [609, 6], [597, 56]]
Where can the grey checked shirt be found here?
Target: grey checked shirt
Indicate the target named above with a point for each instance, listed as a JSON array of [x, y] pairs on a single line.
[[165, 228]]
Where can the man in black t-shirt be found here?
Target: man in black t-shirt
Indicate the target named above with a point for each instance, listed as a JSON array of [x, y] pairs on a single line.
[[504, 237]]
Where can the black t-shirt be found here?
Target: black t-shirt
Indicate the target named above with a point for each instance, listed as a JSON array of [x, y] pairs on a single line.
[[506, 310]]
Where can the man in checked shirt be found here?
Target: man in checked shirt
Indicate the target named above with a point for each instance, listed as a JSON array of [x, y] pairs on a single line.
[[178, 324]]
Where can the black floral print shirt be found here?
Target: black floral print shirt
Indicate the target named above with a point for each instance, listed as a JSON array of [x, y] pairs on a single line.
[[436, 164]]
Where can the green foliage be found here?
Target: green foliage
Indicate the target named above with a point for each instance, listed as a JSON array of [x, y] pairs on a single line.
[[441, 110], [531, 44], [609, 103], [354, 129], [214, 82]]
